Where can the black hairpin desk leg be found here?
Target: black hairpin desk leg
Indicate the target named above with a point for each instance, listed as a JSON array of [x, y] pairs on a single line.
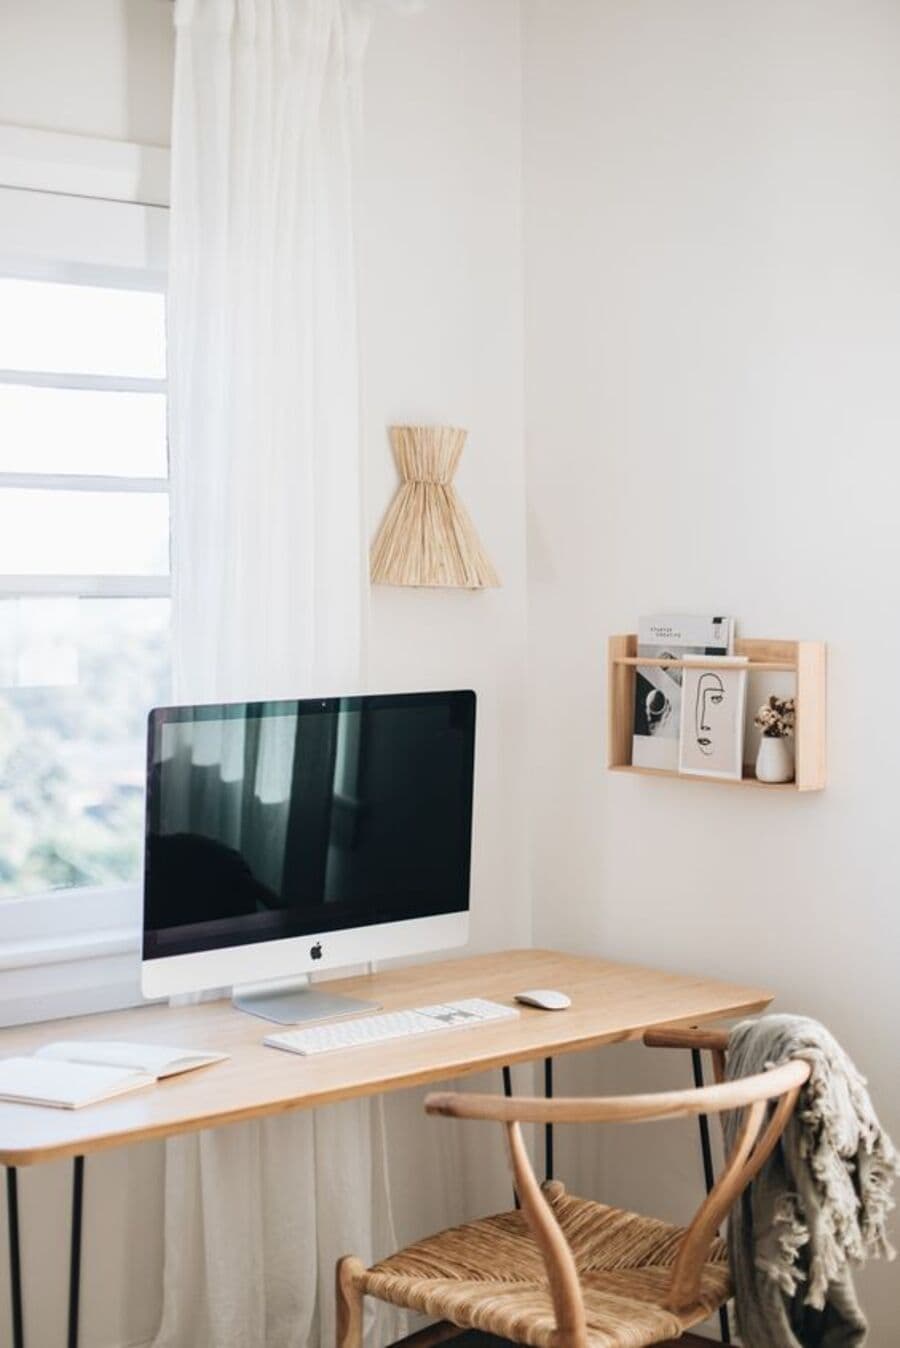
[[708, 1172], [548, 1127], [15, 1258], [507, 1091], [75, 1255]]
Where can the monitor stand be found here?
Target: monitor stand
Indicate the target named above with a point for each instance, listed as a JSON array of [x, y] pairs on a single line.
[[292, 1001]]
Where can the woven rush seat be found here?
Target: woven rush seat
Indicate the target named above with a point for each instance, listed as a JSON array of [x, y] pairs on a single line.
[[489, 1276]]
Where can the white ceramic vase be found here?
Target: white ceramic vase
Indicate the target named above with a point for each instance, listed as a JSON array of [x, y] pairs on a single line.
[[775, 760]]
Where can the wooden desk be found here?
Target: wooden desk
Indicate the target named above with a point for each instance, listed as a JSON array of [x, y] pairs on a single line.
[[610, 1003]]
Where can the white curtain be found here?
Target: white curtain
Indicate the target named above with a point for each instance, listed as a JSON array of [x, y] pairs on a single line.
[[268, 575]]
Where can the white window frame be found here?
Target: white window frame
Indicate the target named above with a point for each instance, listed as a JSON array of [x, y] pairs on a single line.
[[69, 951]]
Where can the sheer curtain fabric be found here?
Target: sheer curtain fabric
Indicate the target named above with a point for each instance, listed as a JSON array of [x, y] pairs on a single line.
[[268, 581]]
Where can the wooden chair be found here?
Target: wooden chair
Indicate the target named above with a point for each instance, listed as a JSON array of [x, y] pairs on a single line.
[[565, 1272]]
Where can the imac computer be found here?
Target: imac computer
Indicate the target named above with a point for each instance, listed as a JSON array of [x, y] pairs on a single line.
[[284, 838]]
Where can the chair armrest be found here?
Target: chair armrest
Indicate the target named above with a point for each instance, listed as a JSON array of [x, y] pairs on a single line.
[[622, 1108], [686, 1036]]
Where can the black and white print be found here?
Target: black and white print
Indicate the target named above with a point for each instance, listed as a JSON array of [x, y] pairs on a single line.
[[658, 688]]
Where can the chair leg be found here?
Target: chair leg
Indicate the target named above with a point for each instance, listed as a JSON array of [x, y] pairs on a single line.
[[349, 1302]]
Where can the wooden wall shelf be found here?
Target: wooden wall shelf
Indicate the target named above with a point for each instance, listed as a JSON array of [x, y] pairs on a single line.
[[806, 660]]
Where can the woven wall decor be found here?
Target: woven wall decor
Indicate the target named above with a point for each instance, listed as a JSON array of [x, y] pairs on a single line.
[[427, 538]]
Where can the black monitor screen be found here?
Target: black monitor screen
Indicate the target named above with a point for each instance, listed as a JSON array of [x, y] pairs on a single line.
[[274, 819]]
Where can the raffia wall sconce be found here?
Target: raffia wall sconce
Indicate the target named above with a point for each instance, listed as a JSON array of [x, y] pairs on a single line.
[[427, 537]]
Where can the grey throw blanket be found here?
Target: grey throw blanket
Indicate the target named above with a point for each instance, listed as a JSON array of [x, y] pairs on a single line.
[[820, 1202]]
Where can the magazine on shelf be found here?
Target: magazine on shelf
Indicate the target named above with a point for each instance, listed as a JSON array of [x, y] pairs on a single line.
[[657, 688]]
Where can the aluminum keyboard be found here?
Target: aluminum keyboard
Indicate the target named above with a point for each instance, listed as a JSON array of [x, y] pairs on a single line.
[[378, 1029]]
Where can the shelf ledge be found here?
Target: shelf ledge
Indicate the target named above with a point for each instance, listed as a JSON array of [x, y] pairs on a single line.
[[714, 662], [747, 780]]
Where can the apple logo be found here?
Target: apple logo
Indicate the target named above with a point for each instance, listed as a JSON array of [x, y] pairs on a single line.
[[316, 951]]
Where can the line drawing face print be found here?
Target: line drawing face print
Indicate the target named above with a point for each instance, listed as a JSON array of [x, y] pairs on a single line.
[[710, 697]]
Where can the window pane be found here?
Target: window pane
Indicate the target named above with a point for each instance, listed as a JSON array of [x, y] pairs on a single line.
[[62, 430], [72, 760], [71, 533], [38, 642], [81, 329]]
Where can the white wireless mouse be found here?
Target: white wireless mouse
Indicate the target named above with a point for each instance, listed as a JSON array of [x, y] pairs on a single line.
[[545, 998]]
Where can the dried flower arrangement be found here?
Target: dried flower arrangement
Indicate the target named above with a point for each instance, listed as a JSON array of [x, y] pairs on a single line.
[[776, 717]]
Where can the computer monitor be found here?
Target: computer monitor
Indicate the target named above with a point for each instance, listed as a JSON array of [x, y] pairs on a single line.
[[284, 838]]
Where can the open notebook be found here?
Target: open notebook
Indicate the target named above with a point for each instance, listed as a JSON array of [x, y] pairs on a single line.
[[69, 1074]]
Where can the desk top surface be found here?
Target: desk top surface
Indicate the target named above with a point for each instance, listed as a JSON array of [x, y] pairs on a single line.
[[610, 1003]]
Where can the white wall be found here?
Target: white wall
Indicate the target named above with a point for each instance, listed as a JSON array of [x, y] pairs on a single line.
[[88, 67], [441, 301], [712, 209], [442, 339]]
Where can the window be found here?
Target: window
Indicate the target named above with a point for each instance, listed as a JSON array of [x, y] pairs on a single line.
[[84, 574]]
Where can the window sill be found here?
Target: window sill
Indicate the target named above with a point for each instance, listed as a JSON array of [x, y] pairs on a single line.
[[68, 949], [69, 953]]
